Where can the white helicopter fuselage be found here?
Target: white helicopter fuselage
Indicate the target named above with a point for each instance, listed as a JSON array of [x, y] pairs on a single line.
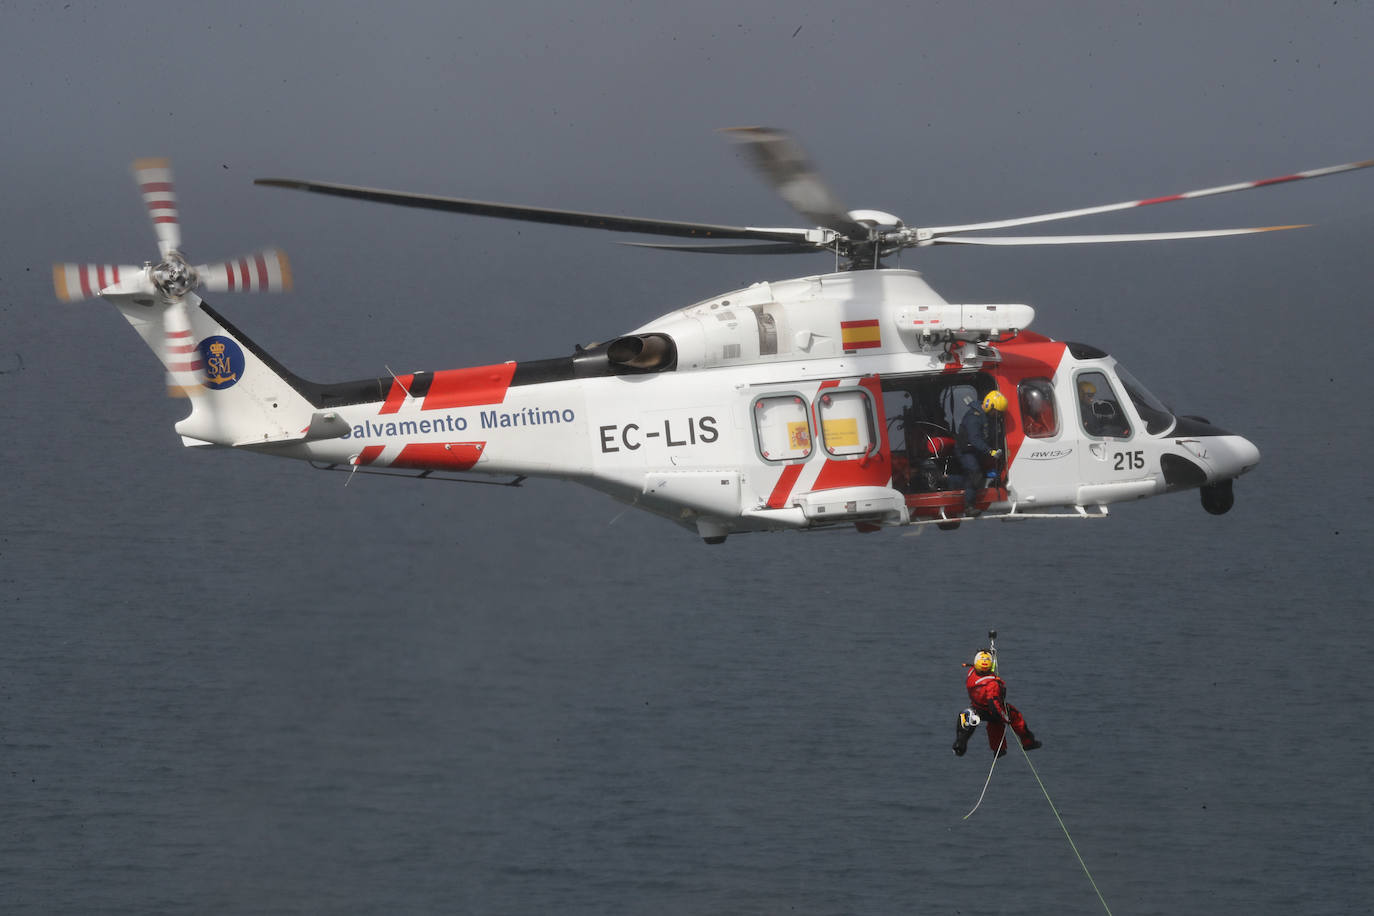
[[800, 404]]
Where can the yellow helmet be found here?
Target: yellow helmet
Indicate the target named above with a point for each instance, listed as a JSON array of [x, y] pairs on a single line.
[[982, 662], [1086, 388], [995, 400]]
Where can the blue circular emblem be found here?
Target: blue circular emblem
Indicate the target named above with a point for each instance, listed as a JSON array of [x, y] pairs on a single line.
[[223, 361]]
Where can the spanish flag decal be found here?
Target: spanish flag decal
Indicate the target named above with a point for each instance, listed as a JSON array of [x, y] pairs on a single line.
[[860, 335]]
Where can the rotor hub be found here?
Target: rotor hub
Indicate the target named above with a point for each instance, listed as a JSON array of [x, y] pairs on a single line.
[[173, 277]]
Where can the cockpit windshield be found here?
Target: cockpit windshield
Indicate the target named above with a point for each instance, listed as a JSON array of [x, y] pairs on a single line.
[[1158, 418]]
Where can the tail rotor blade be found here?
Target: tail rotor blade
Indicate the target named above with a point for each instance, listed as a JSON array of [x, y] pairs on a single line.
[[74, 282], [154, 177], [264, 271], [179, 354]]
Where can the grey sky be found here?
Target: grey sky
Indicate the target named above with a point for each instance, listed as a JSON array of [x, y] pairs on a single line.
[[939, 112]]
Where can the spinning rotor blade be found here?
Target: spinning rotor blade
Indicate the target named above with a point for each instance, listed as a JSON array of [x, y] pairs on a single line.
[[264, 271], [861, 238], [179, 354], [537, 214], [761, 248], [1126, 205], [154, 177], [74, 282], [785, 165], [171, 278], [1088, 239]]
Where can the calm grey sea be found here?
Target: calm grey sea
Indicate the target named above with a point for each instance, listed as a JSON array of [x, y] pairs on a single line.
[[234, 685]]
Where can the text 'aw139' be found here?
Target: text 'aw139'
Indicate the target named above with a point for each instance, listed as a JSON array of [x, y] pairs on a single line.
[[854, 398]]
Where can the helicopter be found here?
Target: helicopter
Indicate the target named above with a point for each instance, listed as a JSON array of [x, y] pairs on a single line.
[[820, 402]]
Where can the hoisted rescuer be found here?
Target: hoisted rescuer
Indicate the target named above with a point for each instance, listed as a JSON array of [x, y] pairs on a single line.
[[987, 694]]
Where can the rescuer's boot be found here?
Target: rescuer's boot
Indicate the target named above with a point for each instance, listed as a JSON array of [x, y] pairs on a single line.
[[965, 725]]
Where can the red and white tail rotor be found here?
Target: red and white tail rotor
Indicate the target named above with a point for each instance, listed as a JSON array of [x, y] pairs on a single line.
[[185, 368], [154, 177], [265, 271], [165, 285]]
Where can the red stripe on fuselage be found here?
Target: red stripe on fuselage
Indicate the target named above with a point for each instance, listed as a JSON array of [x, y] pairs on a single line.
[[441, 456], [369, 454], [451, 388], [469, 387], [778, 498], [398, 393]]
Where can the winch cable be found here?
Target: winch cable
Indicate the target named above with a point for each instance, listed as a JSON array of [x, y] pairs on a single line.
[[1062, 827], [988, 781]]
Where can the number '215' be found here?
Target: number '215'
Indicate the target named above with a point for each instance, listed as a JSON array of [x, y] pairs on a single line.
[[1130, 461]]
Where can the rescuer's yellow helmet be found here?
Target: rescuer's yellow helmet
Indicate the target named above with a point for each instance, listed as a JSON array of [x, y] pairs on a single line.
[[1086, 388], [995, 400], [982, 662]]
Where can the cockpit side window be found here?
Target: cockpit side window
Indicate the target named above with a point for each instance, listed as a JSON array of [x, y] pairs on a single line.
[[1099, 408], [1039, 418], [1158, 418]]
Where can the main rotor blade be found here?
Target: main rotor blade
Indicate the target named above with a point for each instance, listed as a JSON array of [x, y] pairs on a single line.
[[785, 165], [537, 214], [1089, 239], [154, 177], [1126, 205], [760, 248]]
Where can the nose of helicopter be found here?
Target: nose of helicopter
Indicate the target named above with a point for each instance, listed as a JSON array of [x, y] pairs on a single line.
[[1233, 456]]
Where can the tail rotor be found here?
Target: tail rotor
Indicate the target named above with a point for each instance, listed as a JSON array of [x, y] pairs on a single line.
[[154, 177], [167, 284]]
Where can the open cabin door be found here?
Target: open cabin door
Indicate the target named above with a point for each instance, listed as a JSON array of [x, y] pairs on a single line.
[[922, 413]]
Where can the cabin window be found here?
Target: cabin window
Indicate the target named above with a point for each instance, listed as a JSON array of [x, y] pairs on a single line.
[[1039, 418], [782, 424], [1099, 407], [846, 417]]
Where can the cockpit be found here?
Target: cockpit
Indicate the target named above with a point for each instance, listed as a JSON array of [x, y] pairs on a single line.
[[1094, 400], [1100, 405]]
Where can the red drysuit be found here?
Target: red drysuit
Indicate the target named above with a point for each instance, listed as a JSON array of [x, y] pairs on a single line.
[[987, 693]]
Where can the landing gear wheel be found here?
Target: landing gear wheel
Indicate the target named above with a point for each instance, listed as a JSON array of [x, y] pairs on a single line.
[[1217, 498]]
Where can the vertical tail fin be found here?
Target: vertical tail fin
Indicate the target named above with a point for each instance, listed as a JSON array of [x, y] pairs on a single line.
[[242, 396]]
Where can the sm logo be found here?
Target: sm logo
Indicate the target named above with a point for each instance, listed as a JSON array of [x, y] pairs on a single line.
[[223, 360]]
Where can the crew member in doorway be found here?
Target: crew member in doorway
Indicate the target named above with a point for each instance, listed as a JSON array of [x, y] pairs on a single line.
[[978, 442], [987, 695]]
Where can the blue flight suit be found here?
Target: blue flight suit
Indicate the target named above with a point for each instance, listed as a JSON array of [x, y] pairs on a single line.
[[977, 438]]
